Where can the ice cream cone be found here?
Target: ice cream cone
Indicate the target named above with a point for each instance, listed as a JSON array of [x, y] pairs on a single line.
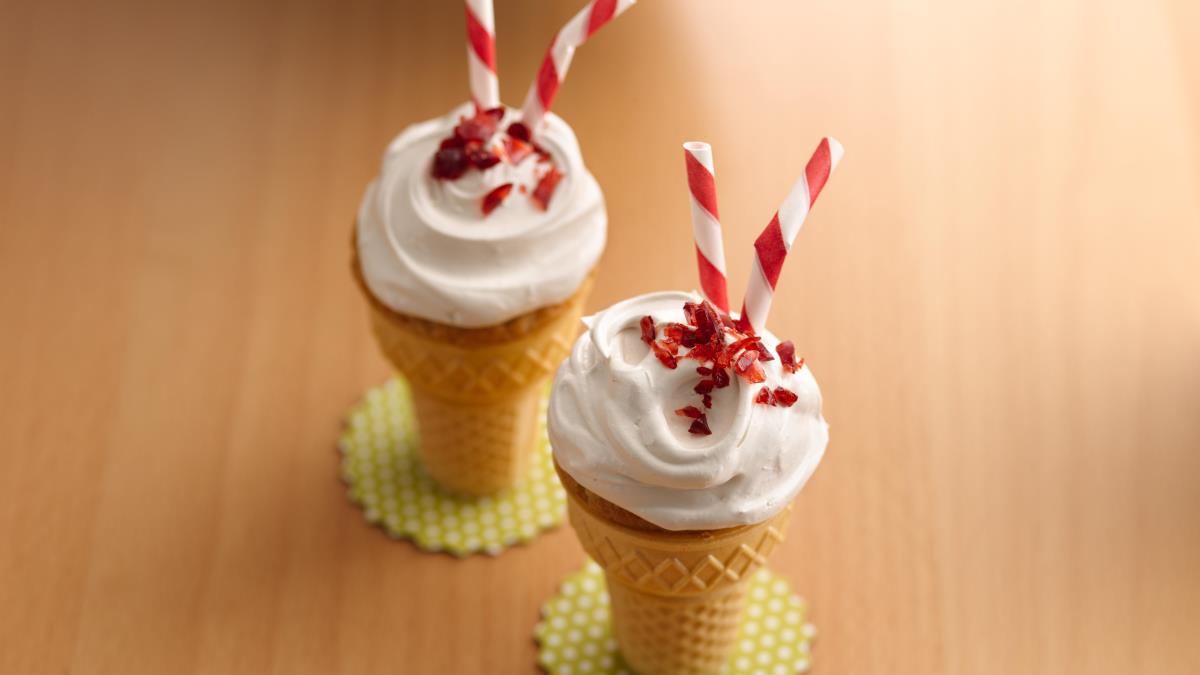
[[477, 391], [676, 596]]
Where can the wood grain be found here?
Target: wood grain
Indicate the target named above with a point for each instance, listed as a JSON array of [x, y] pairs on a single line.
[[999, 291]]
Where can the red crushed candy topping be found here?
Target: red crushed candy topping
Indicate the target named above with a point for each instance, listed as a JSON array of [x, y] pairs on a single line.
[[482, 159], [496, 197], [787, 356], [496, 114], [780, 397], [519, 131], [785, 397], [449, 163], [704, 336], [648, 333], [481, 126], [665, 357], [517, 150], [471, 146], [545, 188], [747, 366], [721, 378]]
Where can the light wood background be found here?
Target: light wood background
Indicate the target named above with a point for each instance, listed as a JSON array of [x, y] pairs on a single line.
[[999, 292]]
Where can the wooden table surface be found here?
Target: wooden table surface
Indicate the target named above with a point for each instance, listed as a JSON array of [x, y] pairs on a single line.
[[999, 292]]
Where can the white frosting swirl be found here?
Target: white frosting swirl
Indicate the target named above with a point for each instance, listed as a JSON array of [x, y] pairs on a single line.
[[613, 427], [426, 249]]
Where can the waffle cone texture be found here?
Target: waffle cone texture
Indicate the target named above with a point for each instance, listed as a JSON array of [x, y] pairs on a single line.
[[476, 391], [676, 597]]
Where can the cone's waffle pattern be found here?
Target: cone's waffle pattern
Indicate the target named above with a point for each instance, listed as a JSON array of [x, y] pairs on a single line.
[[690, 634], [475, 373], [477, 404], [675, 564], [478, 449], [386, 477], [575, 634], [676, 596]]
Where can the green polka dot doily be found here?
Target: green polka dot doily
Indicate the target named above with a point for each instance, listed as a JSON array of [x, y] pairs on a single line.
[[386, 478], [575, 634]]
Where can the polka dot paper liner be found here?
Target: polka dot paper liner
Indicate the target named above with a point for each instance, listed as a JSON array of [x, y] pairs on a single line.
[[385, 477], [575, 634]]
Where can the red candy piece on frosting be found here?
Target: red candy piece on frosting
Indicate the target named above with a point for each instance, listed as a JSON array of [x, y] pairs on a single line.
[[449, 163], [496, 197], [545, 188]]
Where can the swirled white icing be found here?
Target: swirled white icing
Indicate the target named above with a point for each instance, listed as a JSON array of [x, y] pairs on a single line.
[[427, 250], [613, 427]]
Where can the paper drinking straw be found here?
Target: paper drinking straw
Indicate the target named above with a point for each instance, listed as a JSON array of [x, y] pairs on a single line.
[[772, 246], [706, 223], [550, 75], [481, 53]]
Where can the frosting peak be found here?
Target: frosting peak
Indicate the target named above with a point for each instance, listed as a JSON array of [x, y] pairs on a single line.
[[614, 428], [427, 249]]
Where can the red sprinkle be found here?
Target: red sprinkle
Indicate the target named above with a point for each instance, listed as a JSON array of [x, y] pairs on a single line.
[[482, 159], [704, 336], [496, 114], [667, 358], [449, 163], [496, 197], [545, 188], [747, 366], [720, 378], [764, 354], [787, 356], [517, 150], [478, 128], [519, 131], [648, 333], [677, 332], [785, 397]]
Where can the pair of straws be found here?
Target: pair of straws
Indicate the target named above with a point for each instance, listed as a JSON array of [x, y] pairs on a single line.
[[481, 55], [771, 247]]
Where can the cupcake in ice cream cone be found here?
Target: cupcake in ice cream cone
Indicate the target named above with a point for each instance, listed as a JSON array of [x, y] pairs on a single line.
[[475, 248], [681, 495], [682, 433]]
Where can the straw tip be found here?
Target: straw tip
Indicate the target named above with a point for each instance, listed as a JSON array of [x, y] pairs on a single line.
[[836, 151], [701, 152]]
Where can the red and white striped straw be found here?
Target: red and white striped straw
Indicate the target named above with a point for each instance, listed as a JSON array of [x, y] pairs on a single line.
[[550, 75], [772, 246], [481, 53], [706, 223]]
